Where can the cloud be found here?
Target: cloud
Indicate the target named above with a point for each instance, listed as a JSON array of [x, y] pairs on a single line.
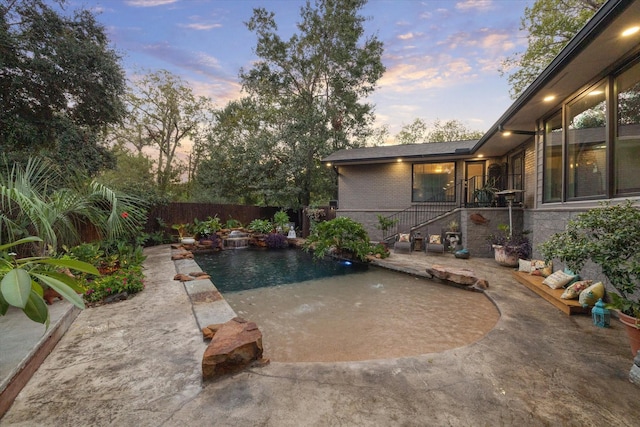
[[200, 26], [409, 36], [482, 5], [149, 3]]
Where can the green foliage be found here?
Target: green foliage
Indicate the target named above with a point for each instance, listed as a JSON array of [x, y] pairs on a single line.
[[280, 219], [609, 236], [183, 229], [164, 113], [380, 250], [341, 236], [385, 223], [451, 130], [232, 223], [129, 280], [207, 227], [30, 204], [549, 25], [305, 100], [87, 252], [22, 281], [262, 226], [61, 84]]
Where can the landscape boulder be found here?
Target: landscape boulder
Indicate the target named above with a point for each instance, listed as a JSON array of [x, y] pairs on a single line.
[[234, 345], [459, 276]]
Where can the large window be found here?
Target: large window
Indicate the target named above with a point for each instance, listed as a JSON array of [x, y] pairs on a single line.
[[586, 144], [553, 159], [434, 182], [627, 146]]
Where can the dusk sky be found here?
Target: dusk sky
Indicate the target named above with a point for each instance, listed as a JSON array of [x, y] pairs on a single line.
[[442, 57]]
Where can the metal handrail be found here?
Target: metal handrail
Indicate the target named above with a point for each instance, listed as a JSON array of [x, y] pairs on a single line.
[[418, 215]]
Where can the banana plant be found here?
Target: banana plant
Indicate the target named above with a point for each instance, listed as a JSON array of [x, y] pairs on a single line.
[[22, 280]]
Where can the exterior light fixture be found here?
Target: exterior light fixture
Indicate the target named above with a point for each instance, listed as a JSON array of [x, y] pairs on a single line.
[[508, 132], [399, 160], [329, 164], [549, 98], [601, 315], [630, 31]]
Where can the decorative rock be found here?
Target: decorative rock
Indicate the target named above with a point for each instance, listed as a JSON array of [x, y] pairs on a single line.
[[182, 277], [460, 276], [182, 255], [234, 346], [209, 331], [200, 275]]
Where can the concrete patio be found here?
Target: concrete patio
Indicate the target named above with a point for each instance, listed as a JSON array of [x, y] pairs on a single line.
[[137, 362]]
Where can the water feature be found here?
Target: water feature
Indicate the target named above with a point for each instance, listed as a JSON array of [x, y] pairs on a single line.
[[236, 240]]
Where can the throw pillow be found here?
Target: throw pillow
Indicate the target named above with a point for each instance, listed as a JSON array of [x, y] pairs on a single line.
[[541, 268], [403, 237], [574, 290], [435, 239], [591, 295], [524, 265], [558, 279], [576, 277]]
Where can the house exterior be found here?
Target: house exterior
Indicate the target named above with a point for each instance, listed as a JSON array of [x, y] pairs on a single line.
[[569, 142]]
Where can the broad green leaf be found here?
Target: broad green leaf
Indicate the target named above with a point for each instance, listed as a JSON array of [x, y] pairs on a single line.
[[69, 281], [64, 290], [20, 242], [15, 287], [73, 264], [4, 306], [37, 310]]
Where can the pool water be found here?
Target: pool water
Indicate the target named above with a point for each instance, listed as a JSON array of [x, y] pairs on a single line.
[[237, 270], [331, 312]]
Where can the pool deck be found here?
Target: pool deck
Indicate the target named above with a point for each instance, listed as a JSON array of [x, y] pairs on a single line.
[[137, 362]]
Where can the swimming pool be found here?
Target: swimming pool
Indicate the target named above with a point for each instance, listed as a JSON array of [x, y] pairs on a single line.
[[237, 270], [372, 313]]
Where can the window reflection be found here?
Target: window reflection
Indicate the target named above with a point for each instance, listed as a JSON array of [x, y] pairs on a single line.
[[434, 182]]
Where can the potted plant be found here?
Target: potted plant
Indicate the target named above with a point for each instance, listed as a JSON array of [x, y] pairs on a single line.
[[609, 236], [184, 231], [485, 195], [453, 235], [509, 246]]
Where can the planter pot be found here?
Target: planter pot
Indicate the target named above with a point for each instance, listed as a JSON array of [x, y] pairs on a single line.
[[502, 258], [632, 326], [188, 240]]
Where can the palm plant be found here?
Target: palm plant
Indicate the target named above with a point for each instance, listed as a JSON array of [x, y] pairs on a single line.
[[31, 206]]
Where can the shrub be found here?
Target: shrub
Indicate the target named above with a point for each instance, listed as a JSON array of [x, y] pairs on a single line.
[[342, 236], [608, 236], [262, 226], [276, 241], [381, 250], [128, 280]]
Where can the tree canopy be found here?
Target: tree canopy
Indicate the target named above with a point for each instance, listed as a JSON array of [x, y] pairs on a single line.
[[164, 114], [60, 84], [310, 90], [419, 131], [550, 25]]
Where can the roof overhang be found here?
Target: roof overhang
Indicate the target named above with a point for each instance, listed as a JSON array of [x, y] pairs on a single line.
[[597, 50]]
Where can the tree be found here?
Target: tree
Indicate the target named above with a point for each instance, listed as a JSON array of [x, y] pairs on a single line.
[[451, 130], [60, 85], [164, 113], [550, 25], [414, 133], [313, 85]]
